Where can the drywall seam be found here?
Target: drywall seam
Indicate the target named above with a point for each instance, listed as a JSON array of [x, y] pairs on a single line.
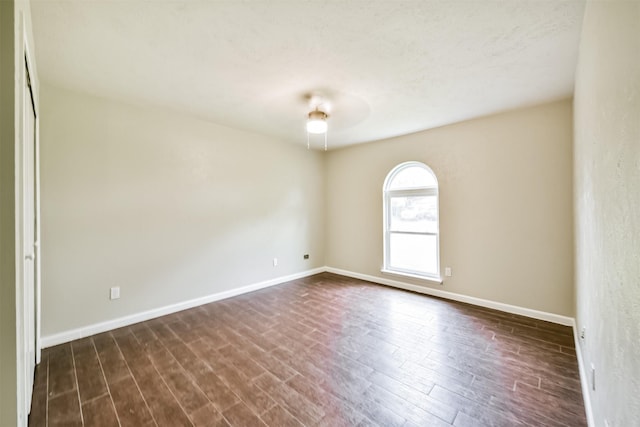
[[96, 328], [584, 378], [528, 312]]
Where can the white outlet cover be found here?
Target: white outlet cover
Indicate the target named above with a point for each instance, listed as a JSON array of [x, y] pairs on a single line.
[[447, 271], [115, 293]]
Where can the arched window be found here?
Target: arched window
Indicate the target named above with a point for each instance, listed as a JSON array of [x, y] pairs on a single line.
[[411, 225]]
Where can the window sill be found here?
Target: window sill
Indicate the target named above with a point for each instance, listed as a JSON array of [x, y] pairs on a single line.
[[437, 280]]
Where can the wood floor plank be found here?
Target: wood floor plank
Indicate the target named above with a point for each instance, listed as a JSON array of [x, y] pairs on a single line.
[[62, 377], [164, 407], [255, 398], [64, 410], [91, 382], [111, 359], [131, 408], [285, 396], [38, 415], [470, 412], [241, 415], [278, 416], [208, 416], [100, 412], [337, 412], [191, 398]]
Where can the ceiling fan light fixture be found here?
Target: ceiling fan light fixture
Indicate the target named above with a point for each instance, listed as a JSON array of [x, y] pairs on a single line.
[[317, 122]]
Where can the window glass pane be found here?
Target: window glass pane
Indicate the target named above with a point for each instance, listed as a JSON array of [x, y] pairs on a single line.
[[416, 252], [412, 177], [414, 213]]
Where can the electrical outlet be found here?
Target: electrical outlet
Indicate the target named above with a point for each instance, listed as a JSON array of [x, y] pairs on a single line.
[[583, 332], [115, 293], [593, 377], [305, 256], [275, 262], [447, 271]]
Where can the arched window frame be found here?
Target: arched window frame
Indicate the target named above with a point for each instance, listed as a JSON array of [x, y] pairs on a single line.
[[388, 194]]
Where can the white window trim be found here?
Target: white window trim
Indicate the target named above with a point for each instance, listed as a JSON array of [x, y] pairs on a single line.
[[429, 278], [418, 191]]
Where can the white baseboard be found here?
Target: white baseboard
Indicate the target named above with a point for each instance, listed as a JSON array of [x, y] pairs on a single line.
[[85, 331], [584, 378], [514, 309], [96, 328]]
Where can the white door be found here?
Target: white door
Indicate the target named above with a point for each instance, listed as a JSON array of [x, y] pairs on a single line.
[[29, 182]]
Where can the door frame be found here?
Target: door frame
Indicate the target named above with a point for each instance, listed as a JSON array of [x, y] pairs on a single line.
[[38, 227], [24, 59]]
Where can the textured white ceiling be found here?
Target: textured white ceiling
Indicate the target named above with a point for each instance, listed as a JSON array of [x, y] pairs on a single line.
[[387, 67]]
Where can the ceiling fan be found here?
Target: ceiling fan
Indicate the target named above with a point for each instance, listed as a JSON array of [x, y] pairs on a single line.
[[320, 111], [317, 117]]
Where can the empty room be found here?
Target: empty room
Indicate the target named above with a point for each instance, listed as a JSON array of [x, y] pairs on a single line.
[[319, 213]]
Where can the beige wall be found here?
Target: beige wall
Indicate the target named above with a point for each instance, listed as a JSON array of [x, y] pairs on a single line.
[[167, 207], [8, 367], [505, 205], [607, 204]]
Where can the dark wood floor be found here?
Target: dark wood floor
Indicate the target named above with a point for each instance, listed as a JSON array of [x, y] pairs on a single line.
[[321, 351]]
